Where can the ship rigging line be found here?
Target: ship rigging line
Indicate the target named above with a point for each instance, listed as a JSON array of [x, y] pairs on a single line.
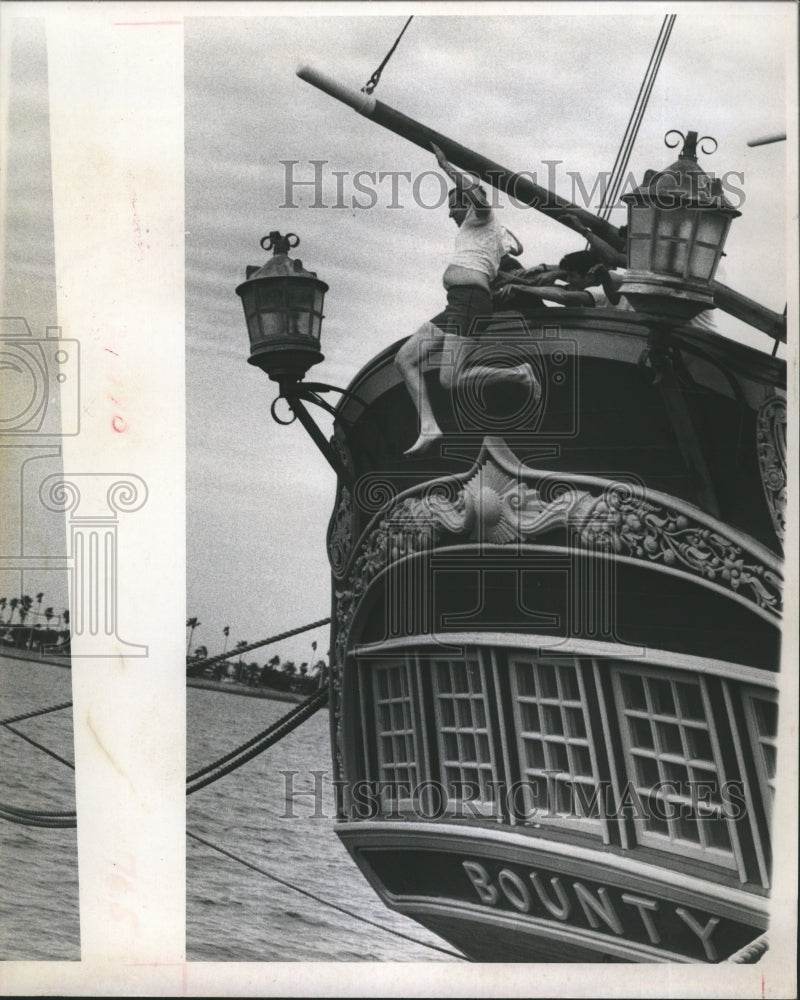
[[33, 817], [319, 899], [39, 746], [375, 79], [205, 776], [635, 120], [38, 711], [258, 744]]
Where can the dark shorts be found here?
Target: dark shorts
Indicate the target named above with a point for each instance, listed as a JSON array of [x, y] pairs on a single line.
[[465, 304]]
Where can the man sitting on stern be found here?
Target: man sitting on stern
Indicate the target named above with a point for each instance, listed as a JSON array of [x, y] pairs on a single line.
[[480, 244]]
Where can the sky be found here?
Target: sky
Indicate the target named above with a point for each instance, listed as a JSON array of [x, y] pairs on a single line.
[[27, 290], [522, 90]]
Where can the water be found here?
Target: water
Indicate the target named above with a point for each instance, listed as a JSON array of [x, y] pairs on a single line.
[[234, 914], [38, 867]]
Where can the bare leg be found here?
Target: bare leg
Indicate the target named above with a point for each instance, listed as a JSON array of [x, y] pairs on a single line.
[[409, 362], [520, 374], [455, 368], [455, 352]]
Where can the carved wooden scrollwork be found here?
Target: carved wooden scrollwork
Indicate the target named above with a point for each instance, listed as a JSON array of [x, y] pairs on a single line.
[[771, 445]]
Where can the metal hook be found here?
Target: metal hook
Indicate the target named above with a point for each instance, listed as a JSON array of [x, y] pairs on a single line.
[[276, 418]]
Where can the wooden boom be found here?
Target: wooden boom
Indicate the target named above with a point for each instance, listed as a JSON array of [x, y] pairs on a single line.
[[524, 189]]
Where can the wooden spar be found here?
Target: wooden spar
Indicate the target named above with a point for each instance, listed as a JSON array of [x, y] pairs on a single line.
[[765, 140], [521, 187]]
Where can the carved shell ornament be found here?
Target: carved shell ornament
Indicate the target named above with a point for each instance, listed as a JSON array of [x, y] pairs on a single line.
[[499, 508], [771, 446]]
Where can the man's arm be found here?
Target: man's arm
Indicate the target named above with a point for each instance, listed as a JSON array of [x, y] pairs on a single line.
[[552, 293], [465, 184], [605, 250]]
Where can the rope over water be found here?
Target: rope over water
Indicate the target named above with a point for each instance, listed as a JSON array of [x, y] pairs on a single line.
[[258, 744], [318, 899], [39, 711], [200, 779]]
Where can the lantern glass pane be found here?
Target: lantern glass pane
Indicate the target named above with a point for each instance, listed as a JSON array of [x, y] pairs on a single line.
[[319, 296], [711, 227], [253, 329], [299, 300], [670, 257], [640, 254], [298, 294], [639, 220], [273, 324], [675, 222], [316, 323], [703, 263], [269, 295]]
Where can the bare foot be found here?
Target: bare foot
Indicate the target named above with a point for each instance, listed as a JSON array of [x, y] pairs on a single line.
[[423, 442]]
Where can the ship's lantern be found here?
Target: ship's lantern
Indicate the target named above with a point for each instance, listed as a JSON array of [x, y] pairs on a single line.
[[283, 309], [678, 221]]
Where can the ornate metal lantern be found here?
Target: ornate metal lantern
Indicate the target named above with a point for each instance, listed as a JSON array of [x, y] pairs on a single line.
[[678, 221], [283, 308]]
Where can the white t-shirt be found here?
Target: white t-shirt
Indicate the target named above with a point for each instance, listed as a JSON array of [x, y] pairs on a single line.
[[479, 243]]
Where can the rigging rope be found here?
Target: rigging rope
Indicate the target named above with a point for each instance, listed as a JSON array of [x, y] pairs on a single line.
[[199, 779], [255, 645], [39, 746], [319, 899], [33, 817], [39, 711], [236, 758], [637, 114], [375, 79]]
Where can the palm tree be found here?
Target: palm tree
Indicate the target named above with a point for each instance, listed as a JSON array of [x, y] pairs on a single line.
[[66, 616], [23, 614], [2, 604], [48, 614], [39, 597], [226, 632], [13, 604], [191, 624], [239, 666]]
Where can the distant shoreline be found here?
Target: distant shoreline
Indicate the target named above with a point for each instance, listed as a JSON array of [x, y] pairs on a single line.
[[195, 682], [243, 689], [9, 653]]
